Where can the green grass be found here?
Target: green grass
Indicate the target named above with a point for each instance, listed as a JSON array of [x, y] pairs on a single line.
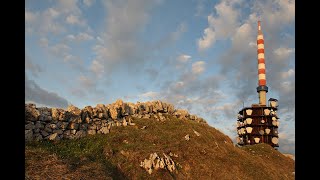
[[208, 156]]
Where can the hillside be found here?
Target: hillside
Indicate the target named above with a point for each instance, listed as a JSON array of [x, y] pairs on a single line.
[[206, 154]]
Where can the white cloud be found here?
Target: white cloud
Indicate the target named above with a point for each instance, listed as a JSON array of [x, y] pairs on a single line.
[[243, 33], [221, 26], [275, 12], [88, 2], [30, 16], [34, 93], [283, 53], [198, 67], [68, 6], [43, 22], [34, 68], [59, 50], [120, 45], [80, 37], [288, 74], [52, 13], [97, 68], [44, 42], [150, 94], [86, 82], [207, 39], [75, 20], [183, 58]]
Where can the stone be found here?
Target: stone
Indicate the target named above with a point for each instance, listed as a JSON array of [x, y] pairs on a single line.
[[92, 132], [44, 133], [55, 114], [198, 134], [67, 133], [170, 165], [58, 131], [73, 131], [28, 135], [84, 127], [181, 113], [80, 134], [37, 137], [73, 125], [74, 110], [29, 126], [53, 137], [187, 137], [92, 126], [124, 122], [144, 127], [64, 125], [45, 118], [113, 113], [53, 126], [36, 130], [104, 130], [48, 129], [100, 115], [39, 125], [75, 119], [31, 113]]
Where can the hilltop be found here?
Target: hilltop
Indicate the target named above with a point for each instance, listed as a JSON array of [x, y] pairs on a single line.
[[151, 140]]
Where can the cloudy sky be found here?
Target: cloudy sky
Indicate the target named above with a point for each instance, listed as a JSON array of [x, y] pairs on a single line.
[[200, 55]]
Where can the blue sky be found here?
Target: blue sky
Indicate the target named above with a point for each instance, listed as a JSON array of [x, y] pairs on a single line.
[[199, 55]]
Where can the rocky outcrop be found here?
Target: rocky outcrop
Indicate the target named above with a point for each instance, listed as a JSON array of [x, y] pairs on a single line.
[[72, 123], [156, 162]]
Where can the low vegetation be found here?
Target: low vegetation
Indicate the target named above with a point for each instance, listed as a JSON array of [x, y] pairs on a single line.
[[118, 155]]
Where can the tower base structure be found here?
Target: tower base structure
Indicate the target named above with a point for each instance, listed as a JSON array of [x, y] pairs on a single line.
[[258, 124]]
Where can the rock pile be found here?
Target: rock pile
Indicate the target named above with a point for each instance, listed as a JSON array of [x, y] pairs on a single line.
[[72, 123], [156, 162]]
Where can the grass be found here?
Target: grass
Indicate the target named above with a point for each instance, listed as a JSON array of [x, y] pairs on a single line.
[[117, 155]]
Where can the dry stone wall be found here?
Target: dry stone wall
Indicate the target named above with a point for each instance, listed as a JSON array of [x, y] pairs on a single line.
[[72, 123]]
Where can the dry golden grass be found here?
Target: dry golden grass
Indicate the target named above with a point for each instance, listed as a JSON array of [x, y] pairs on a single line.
[[117, 155]]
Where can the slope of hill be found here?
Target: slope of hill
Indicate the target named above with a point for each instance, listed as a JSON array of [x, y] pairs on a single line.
[[195, 150]]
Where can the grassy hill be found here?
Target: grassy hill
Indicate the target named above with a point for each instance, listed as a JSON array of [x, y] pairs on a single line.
[[118, 155]]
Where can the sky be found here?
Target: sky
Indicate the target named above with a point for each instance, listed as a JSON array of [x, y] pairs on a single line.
[[199, 55]]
